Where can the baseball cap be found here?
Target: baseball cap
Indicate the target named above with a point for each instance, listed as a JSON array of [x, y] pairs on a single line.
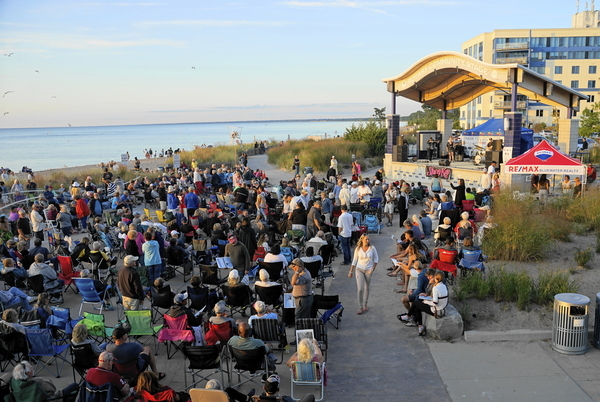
[[377, 182], [298, 262], [272, 383], [180, 297], [129, 259], [232, 239]]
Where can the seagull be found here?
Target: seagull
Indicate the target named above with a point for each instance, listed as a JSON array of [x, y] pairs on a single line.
[[36, 71], [7, 92], [193, 68], [8, 54], [54, 96], [5, 113], [69, 124]]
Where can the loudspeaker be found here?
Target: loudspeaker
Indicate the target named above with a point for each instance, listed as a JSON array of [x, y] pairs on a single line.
[[497, 145], [493, 156], [404, 153], [444, 162], [459, 157]]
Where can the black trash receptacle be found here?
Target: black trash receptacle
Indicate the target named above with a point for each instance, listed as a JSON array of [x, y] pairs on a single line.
[[596, 340], [308, 170]]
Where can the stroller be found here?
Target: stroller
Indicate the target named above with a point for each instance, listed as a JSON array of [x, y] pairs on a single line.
[[372, 224]]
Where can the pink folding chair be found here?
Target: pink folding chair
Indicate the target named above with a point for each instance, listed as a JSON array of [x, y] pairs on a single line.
[[176, 334]]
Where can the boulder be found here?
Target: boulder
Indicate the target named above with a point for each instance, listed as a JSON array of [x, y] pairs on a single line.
[[447, 328]]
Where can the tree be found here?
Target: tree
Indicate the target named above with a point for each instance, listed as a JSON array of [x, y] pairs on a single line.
[[590, 121], [379, 113], [537, 127], [373, 133]]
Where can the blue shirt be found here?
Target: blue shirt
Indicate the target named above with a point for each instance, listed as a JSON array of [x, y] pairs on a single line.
[[426, 222], [422, 283], [151, 253], [191, 201], [172, 201], [326, 206]]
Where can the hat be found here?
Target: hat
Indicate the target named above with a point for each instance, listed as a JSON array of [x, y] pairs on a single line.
[[181, 297], [355, 183], [130, 259], [331, 195], [298, 262], [75, 184], [171, 189], [272, 383], [136, 213], [232, 238], [377, 182], [174, 233]]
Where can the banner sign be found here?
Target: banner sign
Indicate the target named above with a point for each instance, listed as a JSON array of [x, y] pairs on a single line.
[[442, 172]]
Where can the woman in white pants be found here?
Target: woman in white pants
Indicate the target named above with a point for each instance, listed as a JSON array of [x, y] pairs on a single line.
[[365, 261]]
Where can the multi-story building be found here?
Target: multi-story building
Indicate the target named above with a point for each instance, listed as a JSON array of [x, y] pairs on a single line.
[[570, 56]]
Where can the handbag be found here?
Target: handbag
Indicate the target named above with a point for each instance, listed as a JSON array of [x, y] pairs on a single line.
[[199, 244], [439, 313]]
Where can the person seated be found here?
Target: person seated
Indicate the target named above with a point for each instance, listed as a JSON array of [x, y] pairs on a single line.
[[470, 193], [443, 231], [424, 278], [308, 352], [43, 308], [409, 225], [426, 222], [463, 223], [406, 239], [311, 257], [232, 394], [275, 255], [435, 307], [264, 281], [180, 308], [222, 315], [446, 257], [176, 255], [243, 341], [405, 266], [433, 206], [10, 318], [52, 284], [446, 204], [125, 352], [9, 265], [99, 257], [148, 388], [464, 229], [22, 381], [271, 392], [262, 311], [38, 249], [103, 374], [15, 295], [98, 285], [81, 252], [80, 337]]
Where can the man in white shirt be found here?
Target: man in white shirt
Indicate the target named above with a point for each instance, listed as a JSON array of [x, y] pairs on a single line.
[[37, 222], [485, 181], [492, 170], [345, 222], [354, 193], [364, 192]]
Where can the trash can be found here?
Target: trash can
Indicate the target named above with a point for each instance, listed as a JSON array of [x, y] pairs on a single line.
[[570, 323], [160, 169], [596, 340], [308, 170]]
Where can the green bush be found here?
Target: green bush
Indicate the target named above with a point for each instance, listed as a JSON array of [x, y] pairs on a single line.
[[583, 257], [585, 211], [551, 283], [373, 133]]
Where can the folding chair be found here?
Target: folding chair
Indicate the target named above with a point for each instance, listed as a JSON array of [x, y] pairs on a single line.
[[199, 298], [271, 295], [223, 331], [333, 307], [89, 295], [96, 327], [319, 329], [83, 358], [42, 347], [141, 325], [211, 275], [160, 298], [238, 298], [128, 370], [268, 330], [66, 272], [36, 284], [249, 364], [103, 393], [13, 347], [32, 391], [61, 323], [160, 216], [472, 260], [312, 374], [273, 268], [316, 268], [175, 334], [204, 358], [208, 395]]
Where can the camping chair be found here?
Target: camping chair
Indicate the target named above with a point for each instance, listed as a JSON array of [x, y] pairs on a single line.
[[60, 323], [201, 299], [268, 330], [273, 268], [44, 347], [10, 281], [319, 329], [32, 391], [211, 275], [472, 259], [160, 298], [249, 364], [469, 206], [176, 262], [312, 374], [36, 284], [83, 358], [141, 325], [66, 272], [13, 347], [175, 334], [203, 358], [333, 307], [30, 319], [128, 370], [238, 298], [208, 395], [89, 295], [271, 295], [17, 307], [96, 327], [316, 268], [223, 332]]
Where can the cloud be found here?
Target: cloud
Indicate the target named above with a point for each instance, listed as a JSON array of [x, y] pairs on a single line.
[[122, 4], [262, 107], [78, 42], [368, 5], [216, 23]]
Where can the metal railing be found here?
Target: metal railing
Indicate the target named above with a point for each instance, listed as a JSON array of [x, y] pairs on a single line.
[[512, 46], [508, 105]]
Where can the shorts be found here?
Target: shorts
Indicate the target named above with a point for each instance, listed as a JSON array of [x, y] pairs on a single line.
[[143, 361], [388, 208], [412, 297], [163, 205], [131, 304]]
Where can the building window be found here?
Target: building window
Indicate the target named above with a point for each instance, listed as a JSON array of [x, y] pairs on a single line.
[[479, 113], [479, 100], [592, 84], [557, 69], [558, 82], [463, 114], [491, 113], [574, 113], [575, 84], [592, 69], [574, 69], [591, 99], [539, 113]]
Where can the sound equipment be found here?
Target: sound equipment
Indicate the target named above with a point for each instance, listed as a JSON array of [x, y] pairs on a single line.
[[444, 162], [459, 157], [497, 145]]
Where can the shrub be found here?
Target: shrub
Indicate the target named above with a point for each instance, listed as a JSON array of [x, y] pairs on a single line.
[[585, 211], [551, 283], [583, 257], [373, 133], [219, 154]]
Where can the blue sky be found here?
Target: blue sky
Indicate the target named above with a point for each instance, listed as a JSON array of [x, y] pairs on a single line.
[[110, 62]]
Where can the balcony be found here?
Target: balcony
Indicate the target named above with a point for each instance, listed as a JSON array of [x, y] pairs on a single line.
[[512, 60], [507, 105], [512, 46]]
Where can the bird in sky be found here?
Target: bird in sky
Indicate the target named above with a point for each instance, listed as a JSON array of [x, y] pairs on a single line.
[[69, 124], [54, 96], [5, 113], [36, 71], [8, 54], [7, 92], [193, 68]]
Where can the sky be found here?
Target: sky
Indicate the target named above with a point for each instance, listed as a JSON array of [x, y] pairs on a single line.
[[97, 63]]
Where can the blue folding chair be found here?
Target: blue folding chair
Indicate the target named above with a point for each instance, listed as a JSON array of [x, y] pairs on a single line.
[[45, 352], [60, 321], [88, 292], [472, 259]]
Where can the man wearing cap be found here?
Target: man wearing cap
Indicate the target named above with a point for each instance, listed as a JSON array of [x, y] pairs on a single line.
[[238, 254], [302, 289], [125, 352], [377, 190], [130, 284], [334, 163], [103, 374], [314, 223], [271, 388], [179, 308]]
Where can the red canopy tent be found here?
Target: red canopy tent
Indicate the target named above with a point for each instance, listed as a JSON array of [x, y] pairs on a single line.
[[545, 159]]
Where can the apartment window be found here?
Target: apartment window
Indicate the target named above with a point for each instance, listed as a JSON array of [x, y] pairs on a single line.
[[463, 114], [591, 99], [559, 82], [575, 84], [479, 113], [539, 113], [557, 69], [574, 113], [592, 84], [491, 113], [592, 69], [479, 100], [574, 69]]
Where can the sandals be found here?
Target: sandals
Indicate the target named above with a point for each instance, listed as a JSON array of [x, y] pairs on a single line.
[[161, 375], [365, 309], [360, 311], [401, 291], [391, 274]]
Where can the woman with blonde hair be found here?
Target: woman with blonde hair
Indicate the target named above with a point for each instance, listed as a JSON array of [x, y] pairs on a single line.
[[496, 183], [435, 307], [308, 351], [365, 261], [405, 266], [80, 337]]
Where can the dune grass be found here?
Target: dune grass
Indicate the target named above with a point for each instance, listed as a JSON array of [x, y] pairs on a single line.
[[58, 177], [218, 154]]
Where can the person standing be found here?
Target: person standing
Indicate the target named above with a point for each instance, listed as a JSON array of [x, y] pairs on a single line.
[[37, 221], [450, 149], [334, 163], [459, 197], [345, 222], [24, 228], [130, 284], [365, 261], [302, 289], [297, 164], [152, 258], [543, 188]]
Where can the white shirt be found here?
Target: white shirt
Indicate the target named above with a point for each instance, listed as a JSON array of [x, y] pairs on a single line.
[[491, 170], [345, 222], [354, 195], [365, 260], [37, 221]]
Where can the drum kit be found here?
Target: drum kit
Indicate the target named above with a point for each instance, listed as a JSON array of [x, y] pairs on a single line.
[[478, 155]]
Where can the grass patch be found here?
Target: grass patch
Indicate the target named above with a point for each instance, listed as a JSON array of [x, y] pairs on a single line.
[[58, 177], [549, 284], [583, 257], [219, 154]]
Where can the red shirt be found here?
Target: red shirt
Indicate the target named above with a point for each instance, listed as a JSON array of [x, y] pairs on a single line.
[[98, 376]]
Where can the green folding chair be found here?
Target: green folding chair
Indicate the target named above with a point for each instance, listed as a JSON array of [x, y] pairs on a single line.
[[96, 327], [141, 325]]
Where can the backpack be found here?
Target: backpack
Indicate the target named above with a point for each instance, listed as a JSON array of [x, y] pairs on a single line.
[[425, 255], [287, 253]]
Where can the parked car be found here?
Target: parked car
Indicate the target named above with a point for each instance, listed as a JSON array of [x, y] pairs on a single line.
[[591, 143]]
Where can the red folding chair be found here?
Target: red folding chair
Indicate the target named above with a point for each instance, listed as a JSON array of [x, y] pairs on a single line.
[[66, 272]]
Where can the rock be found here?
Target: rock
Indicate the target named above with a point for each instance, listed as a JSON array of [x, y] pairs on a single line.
[[447, 328]]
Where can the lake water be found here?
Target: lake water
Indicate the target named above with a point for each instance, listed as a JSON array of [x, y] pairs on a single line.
[[48, 148]]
